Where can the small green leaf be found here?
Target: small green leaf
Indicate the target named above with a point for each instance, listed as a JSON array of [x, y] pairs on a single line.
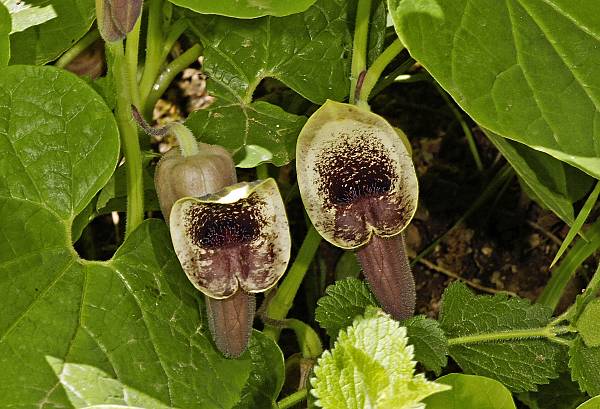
[[552, 183], [5, 27], [584, 362], [42, 30], [342, 302], [514, 68], [593, 403], [521, 363], [370, 366], [471, 392], [429, 341], [254, 156], [246, 8]]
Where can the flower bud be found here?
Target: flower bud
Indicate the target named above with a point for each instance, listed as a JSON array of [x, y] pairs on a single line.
[[116, 18], [177, 176]]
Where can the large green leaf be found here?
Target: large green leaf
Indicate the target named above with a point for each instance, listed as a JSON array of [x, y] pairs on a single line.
[[246, 8], [593, 403], [5, 27], [132, 328], [528, 70], [43, 29], [308, 51], [471, 392], [519, 363], [555, 184]]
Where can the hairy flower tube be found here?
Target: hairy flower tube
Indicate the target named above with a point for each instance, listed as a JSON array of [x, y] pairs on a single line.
[[359, 188]]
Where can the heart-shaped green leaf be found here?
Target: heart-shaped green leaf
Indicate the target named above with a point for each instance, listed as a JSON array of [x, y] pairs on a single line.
[[308, 51], [42, 30], [132, 326], [471, 392], [525, 69], [246, 8]]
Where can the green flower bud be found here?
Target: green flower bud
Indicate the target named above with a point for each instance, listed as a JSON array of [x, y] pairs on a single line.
[[116, 18]]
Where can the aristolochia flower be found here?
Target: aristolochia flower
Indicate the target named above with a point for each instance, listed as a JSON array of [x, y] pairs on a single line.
[[231, 245], [359, 188]]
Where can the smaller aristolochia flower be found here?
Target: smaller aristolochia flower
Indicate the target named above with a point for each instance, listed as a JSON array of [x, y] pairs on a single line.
[[371, 366], [231, 245], [232, 240]]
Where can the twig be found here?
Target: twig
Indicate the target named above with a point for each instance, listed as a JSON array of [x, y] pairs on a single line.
[[545, 232], [452, 274]]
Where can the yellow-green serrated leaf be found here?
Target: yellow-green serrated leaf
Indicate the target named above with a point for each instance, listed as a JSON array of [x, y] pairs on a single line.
[[371, 365]]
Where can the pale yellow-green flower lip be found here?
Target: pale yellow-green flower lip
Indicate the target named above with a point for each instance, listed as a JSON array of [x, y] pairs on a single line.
[[355, 174], [236, 238]]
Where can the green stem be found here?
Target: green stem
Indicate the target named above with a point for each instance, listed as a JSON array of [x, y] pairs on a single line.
[[262, 171], [284, 296], [548, 332], [168, 75], [309, 341], [359, 46], [131, 54], [175, 31], [154, 45], [463, 124], [374, 72], [580, 251], [78, 48], [293, 399], [129, 140], [591, 291], [499, 179], [391, 77]]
